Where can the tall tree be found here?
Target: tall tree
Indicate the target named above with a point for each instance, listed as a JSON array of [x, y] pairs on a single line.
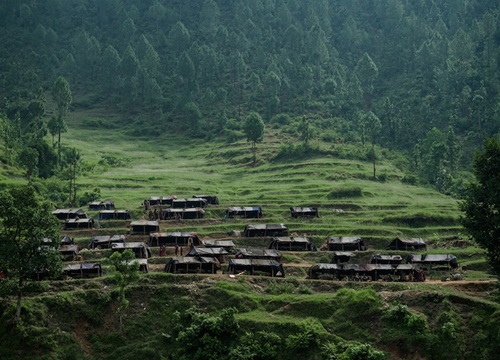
[[126, 272], [481, 205], [254, 131], [367, 71], [61, 93], [373, 126], [72, 160], [26, 222]]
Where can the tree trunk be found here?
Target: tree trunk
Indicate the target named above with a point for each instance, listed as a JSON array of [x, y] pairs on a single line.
[[59, 148], [18, 304], [374, 162]]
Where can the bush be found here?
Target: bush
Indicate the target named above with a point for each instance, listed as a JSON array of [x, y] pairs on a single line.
[[351, 351], [407, 328], [256, 346], [204, 336]]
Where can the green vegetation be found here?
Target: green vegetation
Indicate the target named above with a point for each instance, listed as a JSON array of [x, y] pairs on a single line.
[[28, 236], [482, 203]]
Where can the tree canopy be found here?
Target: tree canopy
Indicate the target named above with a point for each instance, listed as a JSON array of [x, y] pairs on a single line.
[[29, 234], [254, 131], [481, 206]]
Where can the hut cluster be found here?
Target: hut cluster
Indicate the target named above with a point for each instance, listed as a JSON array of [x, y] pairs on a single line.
[[185, 252]]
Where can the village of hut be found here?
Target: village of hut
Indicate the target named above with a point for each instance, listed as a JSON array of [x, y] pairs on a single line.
[[290, 254]]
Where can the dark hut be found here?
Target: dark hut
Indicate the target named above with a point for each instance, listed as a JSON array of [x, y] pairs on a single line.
[[144, 227], [256, 267], [102, 205], [406, 244], [177, 214], [114, 215], [386, 259], [344, 243], [342, 257], [139, 248], [258, 253], [82, 271], [64, 214], [190, 265], [189, 203], [219, 253], [265, 230], [304, 212], [211, 199], [430, 260], [72, 224], [287, 243], [105, 241], [226, 244], [174, 238], [248, 212]]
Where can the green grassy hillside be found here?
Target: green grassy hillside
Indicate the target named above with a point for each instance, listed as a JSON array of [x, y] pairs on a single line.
[[76, 319]]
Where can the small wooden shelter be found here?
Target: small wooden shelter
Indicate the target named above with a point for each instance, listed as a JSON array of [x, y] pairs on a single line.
[[265, 230], [174, 238], [114, 215], [72, 224], [64, 214], [287, 243], [304, 212], [386, 259], [258, 253], [429, 260], [68, 252], [105, 241], [159, 201], [102, 205], [219, 253], [191, 264], [144, 227], [256, 267], [345, 243], [342, 257], [82, 271], [226, 244], [189, 203], [408, 244], [211, 199], [178, 214], [140, 249], [248, 212]]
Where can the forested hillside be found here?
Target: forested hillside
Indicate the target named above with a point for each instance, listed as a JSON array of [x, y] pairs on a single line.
[[421, 77]]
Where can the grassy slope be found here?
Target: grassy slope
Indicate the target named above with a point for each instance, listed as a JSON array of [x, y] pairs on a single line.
[[169, 165]]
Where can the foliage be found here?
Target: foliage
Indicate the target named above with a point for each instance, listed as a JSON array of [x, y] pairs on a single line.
[[126, 272], [351, 351], [412, 332], [481, 205], [204, 336], [26, 226], [260, 345], [254, 130], [309, 336]]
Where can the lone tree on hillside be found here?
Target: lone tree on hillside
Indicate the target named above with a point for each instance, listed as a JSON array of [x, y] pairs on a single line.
[[482, 203], [26, 222], [63, 98], [126, 272], [254, 131]]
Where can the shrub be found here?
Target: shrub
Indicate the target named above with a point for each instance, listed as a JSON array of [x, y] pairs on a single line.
[[204, 336], [256, 346]]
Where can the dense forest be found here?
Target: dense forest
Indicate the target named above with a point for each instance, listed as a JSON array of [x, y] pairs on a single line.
[[418, 77]]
